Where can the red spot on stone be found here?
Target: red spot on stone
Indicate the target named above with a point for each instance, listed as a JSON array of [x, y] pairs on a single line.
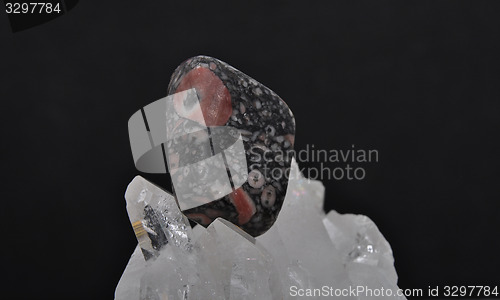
[[290, 138], [213, 213], [215, 100], [200, 219], [244, 205]]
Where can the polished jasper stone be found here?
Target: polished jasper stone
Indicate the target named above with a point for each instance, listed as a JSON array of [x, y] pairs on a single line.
[[249, 127]]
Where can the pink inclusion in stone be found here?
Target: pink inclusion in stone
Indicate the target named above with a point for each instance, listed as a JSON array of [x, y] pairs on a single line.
[[215, 100], [244, 205]]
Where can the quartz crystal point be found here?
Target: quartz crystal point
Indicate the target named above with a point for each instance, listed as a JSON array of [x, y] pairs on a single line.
[[156, 218], [365, 252], [243, 269], [251, 132], [165, 238], [305, 249]]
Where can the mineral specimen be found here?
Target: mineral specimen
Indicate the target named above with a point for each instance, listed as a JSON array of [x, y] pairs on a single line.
[[225, 139], [244, 121], [303, 252]]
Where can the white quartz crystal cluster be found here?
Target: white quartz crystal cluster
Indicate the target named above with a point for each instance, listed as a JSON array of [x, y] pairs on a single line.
[[306, 254]]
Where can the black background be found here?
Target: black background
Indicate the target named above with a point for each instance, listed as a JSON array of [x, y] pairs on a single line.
[[418, 81]]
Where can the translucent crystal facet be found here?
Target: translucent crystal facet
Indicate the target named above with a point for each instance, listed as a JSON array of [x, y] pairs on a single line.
[[156, 218]]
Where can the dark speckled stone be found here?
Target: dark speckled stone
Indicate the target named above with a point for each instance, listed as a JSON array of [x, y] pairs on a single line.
[[231, 99]]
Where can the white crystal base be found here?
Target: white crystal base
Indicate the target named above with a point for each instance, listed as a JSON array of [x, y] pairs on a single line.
[[306, 253]]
